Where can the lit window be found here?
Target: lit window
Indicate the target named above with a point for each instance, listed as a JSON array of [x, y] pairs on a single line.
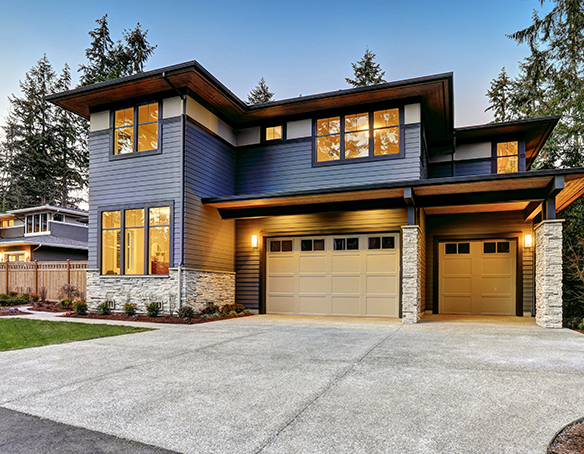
[[353, 140], [144, 137], [36, 223], [274, 133], [130, 235], [7, 223], [507, 157]]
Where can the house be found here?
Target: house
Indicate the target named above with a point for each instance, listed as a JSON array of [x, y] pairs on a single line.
[[43, 233], [359, 202]]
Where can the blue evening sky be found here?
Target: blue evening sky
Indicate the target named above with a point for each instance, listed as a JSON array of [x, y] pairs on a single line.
[[299, 47]]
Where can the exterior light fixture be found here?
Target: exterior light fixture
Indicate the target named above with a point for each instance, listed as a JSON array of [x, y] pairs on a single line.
[[254, 241], [1, 256], [527, 240], [26, 256]]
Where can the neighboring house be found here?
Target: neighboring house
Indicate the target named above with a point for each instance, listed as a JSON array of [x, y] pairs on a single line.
[[43, 233], [358, 202]]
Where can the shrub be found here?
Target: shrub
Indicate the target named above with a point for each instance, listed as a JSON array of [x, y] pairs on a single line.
[[153, 309], [69, 291], [25, 295], [66, 303], [80, 307], [581, 325], [235, 307], [210, 309], [13, 294], [130, 309], [22, 299], [206, 316], [186, 312], [247, 312], [104, 308], [34, 297], [43, 294]]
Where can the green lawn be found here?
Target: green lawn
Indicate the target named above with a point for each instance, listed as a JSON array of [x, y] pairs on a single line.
[[18, 333]]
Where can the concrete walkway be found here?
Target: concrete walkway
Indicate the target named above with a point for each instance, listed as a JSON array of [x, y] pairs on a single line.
[[274, 384]]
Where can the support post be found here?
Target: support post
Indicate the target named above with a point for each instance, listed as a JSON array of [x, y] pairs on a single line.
[[548, 273], [36, 277], [412, 268], [7, 290], [68, 272]]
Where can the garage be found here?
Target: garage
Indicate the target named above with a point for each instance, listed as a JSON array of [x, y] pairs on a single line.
[[478, 277], [343, 275]]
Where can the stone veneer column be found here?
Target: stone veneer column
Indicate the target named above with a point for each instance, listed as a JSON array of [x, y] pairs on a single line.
[[411, 274], [548, 273]]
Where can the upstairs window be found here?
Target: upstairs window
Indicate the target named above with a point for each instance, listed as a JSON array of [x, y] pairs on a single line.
[[274, 133], [7, 223], [37, 223], [136, 129], [507, 157], [367, 135]]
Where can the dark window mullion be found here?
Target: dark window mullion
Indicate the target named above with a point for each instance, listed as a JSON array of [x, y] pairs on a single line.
[[342, 138], [371, 135], [146, 240], [122, 242], [135, 132]]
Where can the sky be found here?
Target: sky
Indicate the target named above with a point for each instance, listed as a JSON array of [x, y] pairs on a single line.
[[299, 47]]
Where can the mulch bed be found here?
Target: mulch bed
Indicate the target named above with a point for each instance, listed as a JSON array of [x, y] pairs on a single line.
[[11, 310], [47, 307], [570, 440], [145, 318]]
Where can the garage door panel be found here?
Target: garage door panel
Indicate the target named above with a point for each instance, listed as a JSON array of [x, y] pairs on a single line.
[[457, 285], [312, 284], [281, 265], [495, 306], [346, 284], [382, 307], [346, 263], [309, 264], [345, 305], [313, 305], [456, 266], [496, 285], [380, 284], [281, 304], [382, 263], [457, 304], [281, 284], [496, 265]]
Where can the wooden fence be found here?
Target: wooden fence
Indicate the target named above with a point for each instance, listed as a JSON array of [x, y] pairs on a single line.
[[46, 277]]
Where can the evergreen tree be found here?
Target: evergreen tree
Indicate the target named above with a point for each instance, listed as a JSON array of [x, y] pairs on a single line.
[[260, 94], [500, 95], [43, 156], [107, 60], [366, 71]]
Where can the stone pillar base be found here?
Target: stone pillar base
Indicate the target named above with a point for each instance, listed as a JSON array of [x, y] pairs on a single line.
[[412, 269], [548, 273]]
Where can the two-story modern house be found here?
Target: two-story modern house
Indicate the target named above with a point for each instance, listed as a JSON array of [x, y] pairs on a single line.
[[43, 233], [360, 202]]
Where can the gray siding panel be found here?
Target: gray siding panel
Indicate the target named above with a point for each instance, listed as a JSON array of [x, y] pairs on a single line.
[[73, 232], [472, 168], [288, 167], [209, 171], [137, 180], [54, 254]]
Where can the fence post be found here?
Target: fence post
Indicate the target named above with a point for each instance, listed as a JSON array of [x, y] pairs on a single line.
[[36, 277], [68, 272], [7, 277]]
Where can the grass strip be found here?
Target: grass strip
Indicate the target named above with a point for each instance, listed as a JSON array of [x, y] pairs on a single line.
[[17, 333]]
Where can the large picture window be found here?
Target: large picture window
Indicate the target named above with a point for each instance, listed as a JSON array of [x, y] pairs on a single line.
[[136, 129], [139, 238], [508, 157], [358, 136]]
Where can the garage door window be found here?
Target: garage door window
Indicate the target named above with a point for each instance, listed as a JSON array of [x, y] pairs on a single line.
[[499, 247], [385, 242], [457, 248], [281, 246]]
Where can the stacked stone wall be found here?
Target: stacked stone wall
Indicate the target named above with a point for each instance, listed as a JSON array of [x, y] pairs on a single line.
[[548, 273], [197, 289]]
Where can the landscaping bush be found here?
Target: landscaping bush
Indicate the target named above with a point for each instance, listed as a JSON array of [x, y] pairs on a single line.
[[80, 307], [186, 312], [12, 294], [22, 299], [210, 309], [130, 309], [153, 309], [34, 297], [104, 308], [581, 325], [66, 303], [235, 307]]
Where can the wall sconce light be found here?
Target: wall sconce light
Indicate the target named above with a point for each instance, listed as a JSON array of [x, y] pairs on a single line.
[[254, 241], [1, 256], [527, 240]]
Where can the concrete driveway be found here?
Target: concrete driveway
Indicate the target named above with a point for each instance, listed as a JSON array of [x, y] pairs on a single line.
[[269, 384]]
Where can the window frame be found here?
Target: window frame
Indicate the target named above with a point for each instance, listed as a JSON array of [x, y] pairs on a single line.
[[370, 111], [146, 207], [521, 161], [135, 153]]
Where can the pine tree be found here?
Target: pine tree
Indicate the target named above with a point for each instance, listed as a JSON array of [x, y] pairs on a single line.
[[107, 60], [260, 94], [500, 96], [366, 71]]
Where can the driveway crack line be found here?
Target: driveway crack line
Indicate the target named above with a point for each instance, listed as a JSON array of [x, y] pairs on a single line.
[[326, 389]]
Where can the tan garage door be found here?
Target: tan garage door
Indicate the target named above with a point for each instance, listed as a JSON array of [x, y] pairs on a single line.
[[477, 277], [351, 275]]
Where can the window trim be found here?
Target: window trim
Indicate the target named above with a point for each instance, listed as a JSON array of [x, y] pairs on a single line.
[[521, 164], [122, 208], [134, 153], [369, 111]]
